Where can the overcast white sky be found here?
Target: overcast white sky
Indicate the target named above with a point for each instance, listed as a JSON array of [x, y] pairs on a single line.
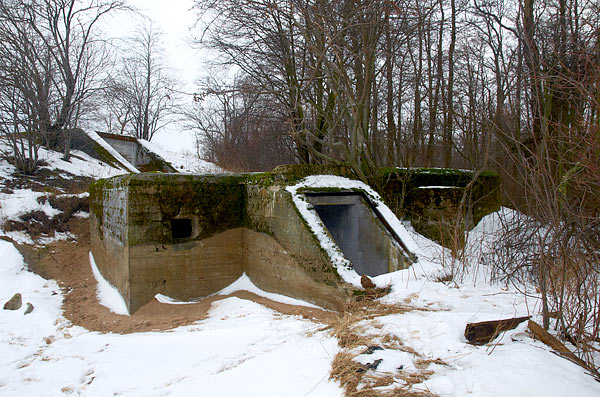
[[174, 19]]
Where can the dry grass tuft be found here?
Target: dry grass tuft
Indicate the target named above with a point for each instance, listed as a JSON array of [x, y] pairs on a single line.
[[350, 328], [346, 371], [423, 363]]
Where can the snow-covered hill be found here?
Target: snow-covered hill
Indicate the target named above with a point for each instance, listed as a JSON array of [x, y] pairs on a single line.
[[245, 348]]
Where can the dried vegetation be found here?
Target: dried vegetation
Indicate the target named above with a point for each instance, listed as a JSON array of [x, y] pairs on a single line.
[[351, 328]]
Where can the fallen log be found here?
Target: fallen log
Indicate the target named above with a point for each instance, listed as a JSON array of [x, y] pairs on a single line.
[[486, 331], [550, 340]]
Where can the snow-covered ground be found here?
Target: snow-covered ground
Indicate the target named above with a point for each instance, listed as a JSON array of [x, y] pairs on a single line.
[[21, 201], [244, 348], [185, 161]]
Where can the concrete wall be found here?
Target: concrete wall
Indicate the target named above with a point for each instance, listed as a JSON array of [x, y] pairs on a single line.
[[131, 234], [282, 255], [109, 231], [127, 149], [185, 270], [431, 199], [237, 228], [237, 223]]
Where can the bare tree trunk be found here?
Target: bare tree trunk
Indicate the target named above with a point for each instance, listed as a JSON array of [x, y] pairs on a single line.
[[389, 103], [449, 123]]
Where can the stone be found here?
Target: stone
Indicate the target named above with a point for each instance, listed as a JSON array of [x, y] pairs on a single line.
[[366, 282], [374, 364], [28, 308], [372, 349], [14, 303]]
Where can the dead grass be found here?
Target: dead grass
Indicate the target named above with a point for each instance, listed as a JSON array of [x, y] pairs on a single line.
[[38, 224], [350, 328]]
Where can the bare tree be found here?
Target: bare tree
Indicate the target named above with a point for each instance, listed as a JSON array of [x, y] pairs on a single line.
[[319, 60], [238, 127], [52, 57], [141, 96]]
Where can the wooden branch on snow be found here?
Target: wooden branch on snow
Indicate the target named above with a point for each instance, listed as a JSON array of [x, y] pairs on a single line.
[[486, 331], [559, 347]]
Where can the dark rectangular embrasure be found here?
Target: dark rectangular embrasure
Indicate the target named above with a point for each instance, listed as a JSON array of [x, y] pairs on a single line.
[[181, 228]]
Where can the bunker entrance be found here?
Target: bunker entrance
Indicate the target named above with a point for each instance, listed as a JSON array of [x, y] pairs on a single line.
[[361, 232]]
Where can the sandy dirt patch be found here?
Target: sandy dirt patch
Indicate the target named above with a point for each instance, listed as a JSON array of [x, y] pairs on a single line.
[[67, 262]]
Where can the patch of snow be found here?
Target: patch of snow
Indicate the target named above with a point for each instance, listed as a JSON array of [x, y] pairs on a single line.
[[22, 201], [241, 348], [245, 284], [22, 336], [80, 164], [185, 162], [108, 295], [241, 284]]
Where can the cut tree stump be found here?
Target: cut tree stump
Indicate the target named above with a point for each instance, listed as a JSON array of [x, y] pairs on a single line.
[[486, 331]]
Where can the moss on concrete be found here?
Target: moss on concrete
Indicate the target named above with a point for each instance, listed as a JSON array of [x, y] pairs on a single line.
[[259, 203], [98, 190], [293, 173], [108, 158], [156, 163], [414, 194], [218, 202]]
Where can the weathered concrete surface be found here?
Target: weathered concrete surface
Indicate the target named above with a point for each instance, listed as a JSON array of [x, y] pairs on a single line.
[[436, 201], [284, 256], [435, 211], [233, 224], [125, 145], [185, 270], [217, 202], [132, 241], [137, 154], [109, 231], [272, 269]]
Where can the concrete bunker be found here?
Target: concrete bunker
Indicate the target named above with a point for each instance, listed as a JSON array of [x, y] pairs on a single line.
[[189, 236], [361, 232]]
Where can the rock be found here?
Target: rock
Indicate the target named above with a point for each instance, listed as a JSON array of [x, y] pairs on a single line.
[[366, 282], [371, 349], [28, 308], [14, 303], [374, 364]]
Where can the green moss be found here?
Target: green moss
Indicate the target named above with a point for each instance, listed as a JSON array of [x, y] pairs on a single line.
[[218, 202], [292, 173], [434, 211], [263, 179], [97, 201], [156, 164], [304, 190], [108, 158]]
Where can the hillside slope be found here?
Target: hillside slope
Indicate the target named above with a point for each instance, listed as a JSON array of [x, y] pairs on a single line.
[[244, 341]]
